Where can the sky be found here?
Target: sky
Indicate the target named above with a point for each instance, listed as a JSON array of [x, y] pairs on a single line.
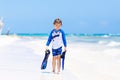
[[78, 16]]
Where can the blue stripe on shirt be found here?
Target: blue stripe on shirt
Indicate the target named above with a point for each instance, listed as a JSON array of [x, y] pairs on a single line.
[[64, 38], [49, 39]]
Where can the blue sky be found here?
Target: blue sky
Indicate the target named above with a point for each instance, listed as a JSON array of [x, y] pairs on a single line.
[[78, 16]]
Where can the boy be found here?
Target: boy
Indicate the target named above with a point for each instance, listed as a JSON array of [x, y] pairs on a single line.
[[57, 36]]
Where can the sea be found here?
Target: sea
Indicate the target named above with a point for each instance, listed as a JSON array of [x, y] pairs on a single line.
[[113, 39]]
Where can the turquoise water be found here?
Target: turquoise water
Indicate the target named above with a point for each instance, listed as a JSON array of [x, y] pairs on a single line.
[[69, 35], [89, 38]]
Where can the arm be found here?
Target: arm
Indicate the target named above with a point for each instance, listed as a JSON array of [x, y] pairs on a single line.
[[64, 40], [49, 39]]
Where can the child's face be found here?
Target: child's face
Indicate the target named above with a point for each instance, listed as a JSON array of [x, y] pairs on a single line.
[[57, 26]]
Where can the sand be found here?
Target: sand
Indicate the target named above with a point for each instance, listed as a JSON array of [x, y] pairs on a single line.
[[20, 59]]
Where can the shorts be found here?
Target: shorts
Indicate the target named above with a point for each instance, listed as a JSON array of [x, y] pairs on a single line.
[[57, 52]]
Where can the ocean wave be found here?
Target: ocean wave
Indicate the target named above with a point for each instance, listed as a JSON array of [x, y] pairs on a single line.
[[6, 40], [102, 42], [106, 35], [110, 43], [113, 44]]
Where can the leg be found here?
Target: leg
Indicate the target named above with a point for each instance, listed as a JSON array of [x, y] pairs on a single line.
[[58, 63], [54, 63]]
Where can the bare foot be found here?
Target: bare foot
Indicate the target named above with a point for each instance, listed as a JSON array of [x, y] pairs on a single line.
[[53, 71], [58, 72]]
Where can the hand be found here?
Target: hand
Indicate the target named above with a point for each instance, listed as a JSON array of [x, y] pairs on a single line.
[[65, 49], [46, 48]]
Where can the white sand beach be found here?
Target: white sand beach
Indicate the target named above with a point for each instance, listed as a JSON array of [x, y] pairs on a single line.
[[21, 58]]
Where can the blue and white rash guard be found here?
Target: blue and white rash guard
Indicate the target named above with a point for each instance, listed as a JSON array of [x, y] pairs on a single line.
[[58, 39]]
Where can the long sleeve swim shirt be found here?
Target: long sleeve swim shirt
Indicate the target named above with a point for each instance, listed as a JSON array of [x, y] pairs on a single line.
[[57, 38]]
